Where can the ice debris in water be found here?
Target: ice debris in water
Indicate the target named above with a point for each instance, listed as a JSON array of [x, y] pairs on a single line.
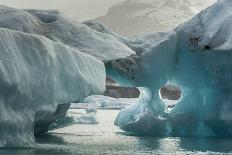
[[103, 102], [76, 117]]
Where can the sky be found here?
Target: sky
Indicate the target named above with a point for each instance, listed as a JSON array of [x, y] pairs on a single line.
[[78, 9]]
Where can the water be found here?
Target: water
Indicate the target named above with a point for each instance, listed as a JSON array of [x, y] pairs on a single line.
[[105, 138]]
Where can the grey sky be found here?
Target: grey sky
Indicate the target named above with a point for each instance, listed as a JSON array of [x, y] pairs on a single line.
[[78, 9]]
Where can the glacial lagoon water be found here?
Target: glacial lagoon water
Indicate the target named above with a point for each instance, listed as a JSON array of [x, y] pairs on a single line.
[[105, 138]]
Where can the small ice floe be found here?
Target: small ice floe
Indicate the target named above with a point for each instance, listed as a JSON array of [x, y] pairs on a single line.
[[90, 117]]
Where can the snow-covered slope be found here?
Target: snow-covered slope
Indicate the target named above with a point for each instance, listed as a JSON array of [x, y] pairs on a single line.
[[133, 17], [59, 28], [36, 75], [197, 57]]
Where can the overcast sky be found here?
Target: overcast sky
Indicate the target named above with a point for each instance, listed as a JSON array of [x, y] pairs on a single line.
[[78, 9]]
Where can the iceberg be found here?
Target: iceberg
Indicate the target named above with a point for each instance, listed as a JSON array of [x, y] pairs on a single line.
[[54, 25], [90, 117], [36, 76], [196, 56]]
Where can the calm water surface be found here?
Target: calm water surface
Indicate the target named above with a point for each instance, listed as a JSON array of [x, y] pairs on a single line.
[[105, 138]]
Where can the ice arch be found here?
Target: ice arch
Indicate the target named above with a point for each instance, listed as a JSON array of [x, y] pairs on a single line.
[[196, 56]]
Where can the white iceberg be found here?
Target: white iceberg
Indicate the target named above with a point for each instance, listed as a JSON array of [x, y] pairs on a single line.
[[57, 27], [90, 117], [36, 75]]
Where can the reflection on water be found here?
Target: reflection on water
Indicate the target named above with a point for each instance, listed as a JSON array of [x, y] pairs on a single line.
[[105, 138]]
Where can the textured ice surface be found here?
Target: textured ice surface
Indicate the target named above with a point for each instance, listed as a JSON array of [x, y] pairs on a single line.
[[197, 57], [36, 75], [59, 28]]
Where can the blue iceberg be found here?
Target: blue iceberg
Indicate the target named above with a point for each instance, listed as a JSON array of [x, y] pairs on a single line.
[[196, 56]]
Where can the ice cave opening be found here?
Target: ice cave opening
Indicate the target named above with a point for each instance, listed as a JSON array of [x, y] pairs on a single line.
[[170, 94]]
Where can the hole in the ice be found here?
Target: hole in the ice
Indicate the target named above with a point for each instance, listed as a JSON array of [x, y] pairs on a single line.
[[113, 90], [207, 47], [170, 94]]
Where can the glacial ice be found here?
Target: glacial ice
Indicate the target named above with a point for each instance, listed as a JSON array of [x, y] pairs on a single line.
[[197, 57], [57, 27], [90, 117], [36, 75]]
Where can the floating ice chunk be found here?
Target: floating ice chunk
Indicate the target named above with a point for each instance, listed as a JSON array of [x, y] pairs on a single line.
[[75, 117], [57, 27], [104, 102], [91, 109], [196, 56], [88, 118], [36, 75]]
